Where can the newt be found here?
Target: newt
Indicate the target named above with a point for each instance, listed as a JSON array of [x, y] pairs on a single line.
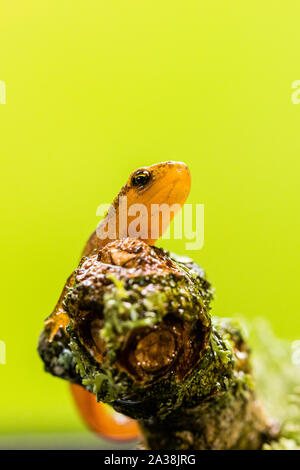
[[137, 334], [162, 183]]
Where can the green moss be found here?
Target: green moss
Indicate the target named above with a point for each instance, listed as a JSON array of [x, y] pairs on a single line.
[[144, 301], [126, 309]]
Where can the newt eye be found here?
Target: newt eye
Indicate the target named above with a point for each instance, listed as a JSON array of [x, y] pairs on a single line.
[[141, 178]]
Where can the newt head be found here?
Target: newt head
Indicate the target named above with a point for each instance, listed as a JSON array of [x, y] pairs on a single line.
[[162, 183], [147, 203]]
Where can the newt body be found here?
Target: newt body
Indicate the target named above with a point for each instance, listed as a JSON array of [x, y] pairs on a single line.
[[162, 183]]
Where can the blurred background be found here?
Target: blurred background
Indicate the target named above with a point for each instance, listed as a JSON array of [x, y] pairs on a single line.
[[98, 88]]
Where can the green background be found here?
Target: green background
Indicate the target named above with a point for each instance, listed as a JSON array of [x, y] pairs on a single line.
[[98, 88]]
